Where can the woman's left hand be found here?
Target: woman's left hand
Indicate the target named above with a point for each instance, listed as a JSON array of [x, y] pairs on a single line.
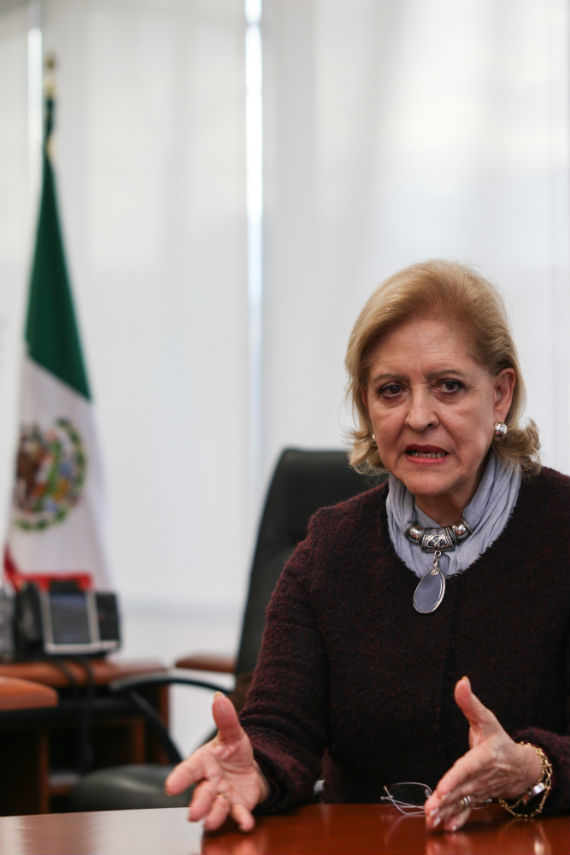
[[495, 766]]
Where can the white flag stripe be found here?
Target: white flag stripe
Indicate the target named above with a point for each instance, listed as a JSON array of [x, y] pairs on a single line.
[[79, 541]]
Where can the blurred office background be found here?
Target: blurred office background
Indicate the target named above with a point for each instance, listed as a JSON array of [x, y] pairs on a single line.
[[233, 182]]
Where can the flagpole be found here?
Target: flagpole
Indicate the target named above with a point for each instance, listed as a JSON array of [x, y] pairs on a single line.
[[50, 66]]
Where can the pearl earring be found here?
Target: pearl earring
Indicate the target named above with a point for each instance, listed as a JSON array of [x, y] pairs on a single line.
[[501, 430]]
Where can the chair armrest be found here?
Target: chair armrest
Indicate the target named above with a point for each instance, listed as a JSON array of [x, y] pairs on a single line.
[[173, 676], [131, 687], [207, 662]]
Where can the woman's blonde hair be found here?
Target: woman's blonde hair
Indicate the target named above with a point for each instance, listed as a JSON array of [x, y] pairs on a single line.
[[439, 289]]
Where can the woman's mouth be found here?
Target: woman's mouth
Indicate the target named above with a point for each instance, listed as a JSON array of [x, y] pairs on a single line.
[[426, 453]]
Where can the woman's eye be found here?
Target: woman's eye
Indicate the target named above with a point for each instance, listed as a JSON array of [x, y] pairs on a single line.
[[450, 386], [390, 390]]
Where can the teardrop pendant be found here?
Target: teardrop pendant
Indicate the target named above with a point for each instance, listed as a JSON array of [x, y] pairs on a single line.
[[431, 589]]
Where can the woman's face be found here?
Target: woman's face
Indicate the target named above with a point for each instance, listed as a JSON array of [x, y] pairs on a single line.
[[433, 410]]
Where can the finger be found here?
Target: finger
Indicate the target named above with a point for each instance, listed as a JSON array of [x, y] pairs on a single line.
[[466, 777], [243, 817], [226, 719], [185, 773], [437, 811], [218, 813], [194, 768], [448, 816], [203, 800], [476, 713], [457, 819], [200, 764], [206, 803]]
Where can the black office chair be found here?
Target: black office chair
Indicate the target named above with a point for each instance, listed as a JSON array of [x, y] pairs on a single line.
[[302, 482]]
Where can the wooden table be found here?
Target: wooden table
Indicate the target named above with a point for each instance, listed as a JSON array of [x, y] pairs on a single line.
[[49, 709], [17, 694], [103, 670], [311, 830]]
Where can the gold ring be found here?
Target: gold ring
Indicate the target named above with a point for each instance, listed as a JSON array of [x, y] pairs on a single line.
[[465, 802]]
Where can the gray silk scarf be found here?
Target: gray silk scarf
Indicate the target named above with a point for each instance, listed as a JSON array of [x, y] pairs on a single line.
[[486, 515]]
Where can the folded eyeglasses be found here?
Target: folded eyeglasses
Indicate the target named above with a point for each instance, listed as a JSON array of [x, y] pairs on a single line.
[[407, 796]]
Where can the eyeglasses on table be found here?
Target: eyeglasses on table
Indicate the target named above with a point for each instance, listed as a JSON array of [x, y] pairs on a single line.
[[409, 797]]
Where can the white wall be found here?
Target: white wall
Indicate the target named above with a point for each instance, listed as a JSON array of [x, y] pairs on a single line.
[[396, 132]]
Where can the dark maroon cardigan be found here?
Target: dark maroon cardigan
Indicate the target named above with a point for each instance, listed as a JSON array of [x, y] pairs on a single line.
[[350, 669]]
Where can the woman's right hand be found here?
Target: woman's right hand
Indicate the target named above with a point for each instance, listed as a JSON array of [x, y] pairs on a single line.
[[228, 780]]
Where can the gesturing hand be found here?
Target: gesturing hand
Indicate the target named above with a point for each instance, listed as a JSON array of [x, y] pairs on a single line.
[[229, 781], [494, 766]]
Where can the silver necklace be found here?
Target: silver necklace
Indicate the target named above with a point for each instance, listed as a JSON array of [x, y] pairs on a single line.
[[430, 590]]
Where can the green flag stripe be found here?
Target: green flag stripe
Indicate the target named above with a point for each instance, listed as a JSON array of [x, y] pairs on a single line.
[[52, 335]]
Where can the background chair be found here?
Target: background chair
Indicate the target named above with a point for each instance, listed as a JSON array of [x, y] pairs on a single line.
[[302, 482]]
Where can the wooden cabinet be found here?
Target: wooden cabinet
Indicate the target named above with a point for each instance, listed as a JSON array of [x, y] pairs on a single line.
[[45, 750]]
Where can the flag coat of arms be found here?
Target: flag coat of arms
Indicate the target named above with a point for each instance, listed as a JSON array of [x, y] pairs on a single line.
[[56, 521]]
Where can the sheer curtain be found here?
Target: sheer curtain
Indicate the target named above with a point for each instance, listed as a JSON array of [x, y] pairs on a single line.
[[15, 229], [150, 158], [398, 131]]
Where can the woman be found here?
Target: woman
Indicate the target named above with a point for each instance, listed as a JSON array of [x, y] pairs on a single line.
[[420, 632]]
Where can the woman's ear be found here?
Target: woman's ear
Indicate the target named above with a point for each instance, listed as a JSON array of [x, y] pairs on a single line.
[[504, 390]]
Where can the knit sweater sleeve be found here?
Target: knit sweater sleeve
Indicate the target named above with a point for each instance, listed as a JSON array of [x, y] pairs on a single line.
[[286, 711], [556, 745]]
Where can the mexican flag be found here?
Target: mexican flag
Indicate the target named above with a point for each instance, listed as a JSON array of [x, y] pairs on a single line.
[[56, 522]]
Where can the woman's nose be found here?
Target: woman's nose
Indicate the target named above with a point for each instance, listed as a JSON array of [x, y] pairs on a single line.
[[421, 411]]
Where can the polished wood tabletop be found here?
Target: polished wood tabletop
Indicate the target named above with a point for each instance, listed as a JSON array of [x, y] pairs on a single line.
[[310, 830]]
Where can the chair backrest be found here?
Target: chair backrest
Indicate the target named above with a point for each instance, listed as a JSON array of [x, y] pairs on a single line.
[[303, 481]]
